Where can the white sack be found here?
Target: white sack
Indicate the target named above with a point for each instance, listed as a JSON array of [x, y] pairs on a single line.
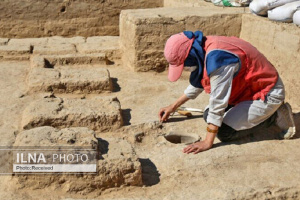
[[284, 13], [261, 7], [296, 17]]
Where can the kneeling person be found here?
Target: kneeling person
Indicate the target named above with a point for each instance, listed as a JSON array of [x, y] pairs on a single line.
[[246, 92]]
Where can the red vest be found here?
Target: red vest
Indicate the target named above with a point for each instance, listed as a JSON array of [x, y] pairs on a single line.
[[256, 77]]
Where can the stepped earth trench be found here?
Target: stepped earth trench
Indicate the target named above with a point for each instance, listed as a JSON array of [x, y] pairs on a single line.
[[92, 73]]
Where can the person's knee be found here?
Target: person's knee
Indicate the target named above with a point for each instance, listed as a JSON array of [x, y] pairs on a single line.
[[226, 133], [224, 138]]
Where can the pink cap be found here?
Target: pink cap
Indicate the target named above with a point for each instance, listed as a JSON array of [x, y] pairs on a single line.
[[177, 50]]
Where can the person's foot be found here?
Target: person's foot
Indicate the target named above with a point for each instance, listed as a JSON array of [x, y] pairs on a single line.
[[285, 121]]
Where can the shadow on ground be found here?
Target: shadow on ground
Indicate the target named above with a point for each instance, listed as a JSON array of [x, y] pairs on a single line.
[[126, 116], [271, 133], [150, 174], [102, 147], [179, 118], [116, 86], [297, 123]]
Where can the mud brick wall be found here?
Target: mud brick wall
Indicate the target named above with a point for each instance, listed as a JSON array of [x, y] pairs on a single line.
[[40, 18], [118, 167], [144, 32]]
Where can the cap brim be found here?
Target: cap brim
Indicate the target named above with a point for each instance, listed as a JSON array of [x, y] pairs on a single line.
[[175, 72]]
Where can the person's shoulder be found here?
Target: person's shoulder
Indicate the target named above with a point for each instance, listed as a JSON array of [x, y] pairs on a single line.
[[218, 58]]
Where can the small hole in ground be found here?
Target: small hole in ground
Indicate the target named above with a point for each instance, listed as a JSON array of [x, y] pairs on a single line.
[[63, 9], [180, 139], [71, 141]]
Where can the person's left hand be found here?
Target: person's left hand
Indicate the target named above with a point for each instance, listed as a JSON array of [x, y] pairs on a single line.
[[197, 147]]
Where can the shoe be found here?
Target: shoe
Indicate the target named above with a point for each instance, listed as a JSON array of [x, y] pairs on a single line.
[[285, 121]]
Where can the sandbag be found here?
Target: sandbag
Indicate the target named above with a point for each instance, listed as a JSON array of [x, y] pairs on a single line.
[[296, 17], [261, 7], [284, 13], [231, 3]]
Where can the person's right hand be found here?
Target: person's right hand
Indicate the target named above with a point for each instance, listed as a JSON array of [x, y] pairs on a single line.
[[165, 112]]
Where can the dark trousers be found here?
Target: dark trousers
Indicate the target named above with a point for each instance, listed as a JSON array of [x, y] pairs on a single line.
[[226, 133]]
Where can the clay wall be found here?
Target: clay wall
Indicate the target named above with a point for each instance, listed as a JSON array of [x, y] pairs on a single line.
[[41, 18], [144, 32]]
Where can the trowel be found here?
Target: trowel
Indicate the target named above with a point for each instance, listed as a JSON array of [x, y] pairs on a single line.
[[187, 111]]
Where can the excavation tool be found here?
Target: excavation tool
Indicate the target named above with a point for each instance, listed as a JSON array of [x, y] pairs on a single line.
[[187, 111]]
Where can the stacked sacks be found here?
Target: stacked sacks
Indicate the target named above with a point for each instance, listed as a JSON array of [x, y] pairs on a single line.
[[231, 3], [296, 17], [284, 13], [261, 7]]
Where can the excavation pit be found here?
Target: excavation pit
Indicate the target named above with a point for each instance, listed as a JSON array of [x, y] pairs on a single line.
[[177, 138], [255, 166]]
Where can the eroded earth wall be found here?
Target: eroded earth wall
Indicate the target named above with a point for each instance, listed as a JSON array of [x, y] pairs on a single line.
[[40, 18], [144, 32]]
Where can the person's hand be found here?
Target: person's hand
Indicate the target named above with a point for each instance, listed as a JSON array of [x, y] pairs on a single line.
[[165, 112], [197, 147]]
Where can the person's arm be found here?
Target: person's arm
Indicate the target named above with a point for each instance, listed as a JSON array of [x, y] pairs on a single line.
[[204, 145], [190, 92], [221, 82], [165, 112]]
